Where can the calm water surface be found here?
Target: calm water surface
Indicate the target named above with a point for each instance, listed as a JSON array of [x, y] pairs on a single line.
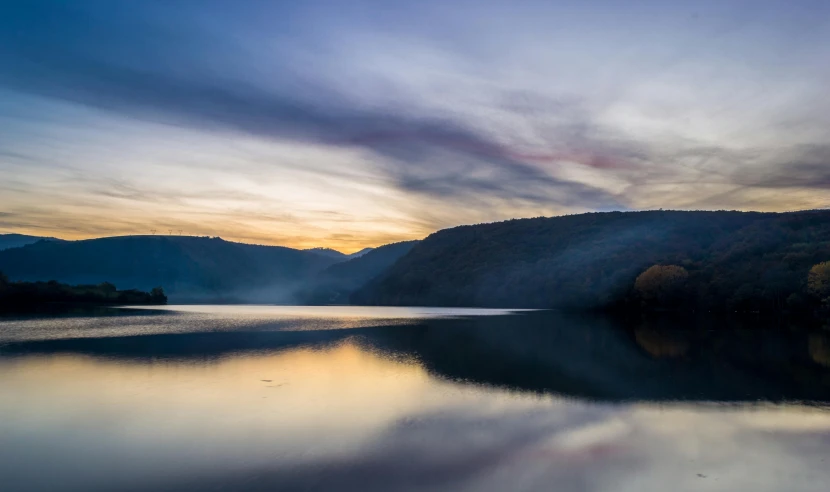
[[394, 399]]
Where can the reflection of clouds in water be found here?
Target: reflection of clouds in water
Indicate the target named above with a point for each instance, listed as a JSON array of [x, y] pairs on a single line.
[[735, 448], [571, 447], [473, 447]]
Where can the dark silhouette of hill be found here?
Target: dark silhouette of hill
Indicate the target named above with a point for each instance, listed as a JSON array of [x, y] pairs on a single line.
[[8, 241], [329, 253], [334, 284], [337, 255], [735, 260], [358, 254], [188, 268]]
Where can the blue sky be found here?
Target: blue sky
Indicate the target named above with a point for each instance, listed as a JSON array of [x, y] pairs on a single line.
[[348, 124]]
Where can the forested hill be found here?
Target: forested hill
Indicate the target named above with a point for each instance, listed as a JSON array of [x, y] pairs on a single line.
[[189, 268], [734, 260]]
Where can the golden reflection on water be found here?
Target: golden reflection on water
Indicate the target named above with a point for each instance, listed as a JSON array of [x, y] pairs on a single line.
[[300, 387]]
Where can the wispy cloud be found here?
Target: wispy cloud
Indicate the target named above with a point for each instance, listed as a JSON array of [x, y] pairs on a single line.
[[422, 153]]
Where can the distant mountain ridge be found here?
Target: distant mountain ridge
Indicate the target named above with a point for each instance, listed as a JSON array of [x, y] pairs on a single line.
[[327, 252], [333, 253], [8, 241], [189, 268], [201, 269], [358, 254]]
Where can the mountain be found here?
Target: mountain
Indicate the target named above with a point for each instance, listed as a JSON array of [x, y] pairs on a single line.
[[328, 253], [734, 260], [358, 254], [188, 268], [338, 281], [8, 241], [333, 253]]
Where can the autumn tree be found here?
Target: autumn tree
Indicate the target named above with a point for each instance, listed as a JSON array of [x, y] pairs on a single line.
[[662, 285], [818, 280]]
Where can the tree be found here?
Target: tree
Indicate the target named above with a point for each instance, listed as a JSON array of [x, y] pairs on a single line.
[[818, 280], [157, 293], [796, 302], [661, 285], [107, 287]]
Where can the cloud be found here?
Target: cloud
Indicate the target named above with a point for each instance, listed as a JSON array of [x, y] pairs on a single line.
[[136, 76], [445, 113], [803, 166]]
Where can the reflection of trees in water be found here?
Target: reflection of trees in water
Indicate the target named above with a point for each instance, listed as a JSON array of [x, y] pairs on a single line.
[[819, 346], [661, 343]]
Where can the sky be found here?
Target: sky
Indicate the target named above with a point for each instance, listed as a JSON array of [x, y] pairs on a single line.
[[353, 124]]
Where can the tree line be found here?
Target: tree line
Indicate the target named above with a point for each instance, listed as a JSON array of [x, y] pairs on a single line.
[[24, 295], [671, 287]]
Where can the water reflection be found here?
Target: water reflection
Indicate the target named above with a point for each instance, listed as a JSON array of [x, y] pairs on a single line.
[[820, 348], [534, 401], [661, 343]]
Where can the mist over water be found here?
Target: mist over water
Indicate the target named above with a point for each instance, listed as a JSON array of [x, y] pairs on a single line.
[[399, 399]]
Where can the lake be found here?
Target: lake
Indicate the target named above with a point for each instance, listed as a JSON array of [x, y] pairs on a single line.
[[402, 399]]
